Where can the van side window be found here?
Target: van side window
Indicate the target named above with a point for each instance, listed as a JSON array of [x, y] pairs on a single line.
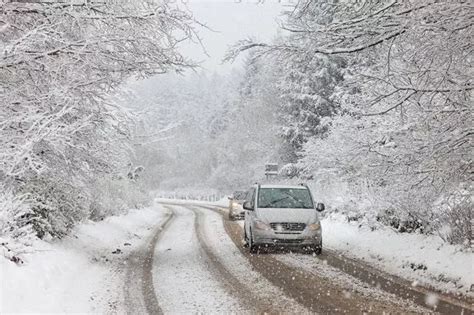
[[247, 195]]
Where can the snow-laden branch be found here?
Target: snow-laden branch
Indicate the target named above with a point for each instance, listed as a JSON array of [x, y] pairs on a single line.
[[60, 64]]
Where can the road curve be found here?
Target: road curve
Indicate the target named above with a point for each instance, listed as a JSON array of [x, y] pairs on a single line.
[[316, 292], [359, 270], [195, 272], [185, 279], [159, 272]]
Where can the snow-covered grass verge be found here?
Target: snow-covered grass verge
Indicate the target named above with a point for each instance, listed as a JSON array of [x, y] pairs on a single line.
[[80, 273], [422, 259]]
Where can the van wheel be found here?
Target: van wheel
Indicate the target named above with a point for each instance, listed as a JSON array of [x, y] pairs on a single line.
[[252, 247], [246, 239], [317, 249]]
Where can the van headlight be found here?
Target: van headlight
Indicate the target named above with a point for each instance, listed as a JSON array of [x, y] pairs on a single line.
[[314, 226], [262, 226]]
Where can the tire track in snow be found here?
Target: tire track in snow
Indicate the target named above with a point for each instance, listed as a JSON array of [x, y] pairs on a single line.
[[140, 296], [445, 304], [236, 286], [315, 292], [185, 278]]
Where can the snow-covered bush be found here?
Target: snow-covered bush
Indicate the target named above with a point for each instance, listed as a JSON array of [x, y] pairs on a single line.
[[16, 232], [456, 219], [117, 195], [56, 205], [14, 209], [289, 170]]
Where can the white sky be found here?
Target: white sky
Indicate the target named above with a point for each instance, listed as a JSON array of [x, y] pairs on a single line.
[[231, 21]]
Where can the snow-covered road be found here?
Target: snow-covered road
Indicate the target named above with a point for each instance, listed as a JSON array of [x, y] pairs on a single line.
[[186, 257], [182, 275], [201, 265], [198, 269]]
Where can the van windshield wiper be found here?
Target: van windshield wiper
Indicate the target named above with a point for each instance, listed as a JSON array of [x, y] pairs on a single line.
[[301, 203], [274, 202]]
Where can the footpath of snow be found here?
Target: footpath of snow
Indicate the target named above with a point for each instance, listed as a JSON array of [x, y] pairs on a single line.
[[78, 274], [419, 258]]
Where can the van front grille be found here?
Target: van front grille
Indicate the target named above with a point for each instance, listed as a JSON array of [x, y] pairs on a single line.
[[288, 226]]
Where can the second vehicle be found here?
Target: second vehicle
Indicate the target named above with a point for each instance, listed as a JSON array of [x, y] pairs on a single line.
[[236, 211]]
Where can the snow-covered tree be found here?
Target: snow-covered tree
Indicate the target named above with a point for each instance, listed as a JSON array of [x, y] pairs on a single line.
[[61, 61], [412, 104], [307, 86], [406, 100]]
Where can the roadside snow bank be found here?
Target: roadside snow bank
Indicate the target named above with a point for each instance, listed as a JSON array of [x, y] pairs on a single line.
[[419, 258], [223, 202], [80, 273]]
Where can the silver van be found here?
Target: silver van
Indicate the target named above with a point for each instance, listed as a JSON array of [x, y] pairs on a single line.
[[282, 215]]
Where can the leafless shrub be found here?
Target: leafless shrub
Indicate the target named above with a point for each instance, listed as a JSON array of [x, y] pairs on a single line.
[[457, 220]]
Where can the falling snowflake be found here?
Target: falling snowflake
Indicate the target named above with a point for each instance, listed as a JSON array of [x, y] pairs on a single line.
[[431, 299]]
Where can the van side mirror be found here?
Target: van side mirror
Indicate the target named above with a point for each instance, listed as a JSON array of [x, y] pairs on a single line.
[[320, 206], [247, 206]]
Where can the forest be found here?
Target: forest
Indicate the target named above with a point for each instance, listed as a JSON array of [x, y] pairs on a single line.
[[370, 102]]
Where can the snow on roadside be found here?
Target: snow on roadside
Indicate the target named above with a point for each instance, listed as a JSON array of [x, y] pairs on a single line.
[[79, 273], [224, 202], [425, 260]]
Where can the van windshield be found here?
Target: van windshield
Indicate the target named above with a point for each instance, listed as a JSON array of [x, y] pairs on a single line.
[[284, 198]]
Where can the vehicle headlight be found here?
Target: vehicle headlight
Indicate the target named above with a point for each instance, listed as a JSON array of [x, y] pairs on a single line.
[[314, 226], [262, 226]]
